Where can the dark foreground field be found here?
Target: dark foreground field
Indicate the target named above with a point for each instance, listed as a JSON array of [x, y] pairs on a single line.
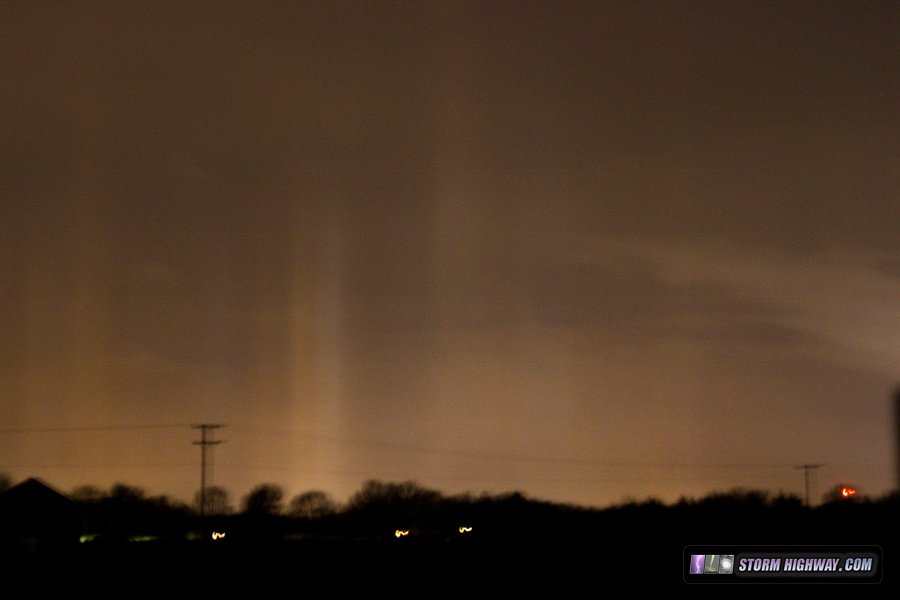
[[513, 549], [298, 569], [405, 569]]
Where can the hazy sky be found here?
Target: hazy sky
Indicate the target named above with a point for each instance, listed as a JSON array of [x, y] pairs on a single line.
[[588, 251]]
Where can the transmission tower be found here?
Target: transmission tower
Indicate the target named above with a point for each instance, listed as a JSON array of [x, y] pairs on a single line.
[[204, 442]]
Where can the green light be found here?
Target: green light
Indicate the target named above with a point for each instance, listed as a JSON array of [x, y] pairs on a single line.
[[142, 538]]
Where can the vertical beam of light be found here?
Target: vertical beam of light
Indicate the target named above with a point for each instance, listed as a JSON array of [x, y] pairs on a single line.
[[89, 263], [459, 230], [67, 325], [318, 385], [330, 334]]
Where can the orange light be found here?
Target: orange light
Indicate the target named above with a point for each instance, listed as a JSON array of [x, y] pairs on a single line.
[[846, 492]]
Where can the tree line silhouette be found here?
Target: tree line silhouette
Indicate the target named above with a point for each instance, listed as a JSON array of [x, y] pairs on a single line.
[[404, 536], [382, 510]]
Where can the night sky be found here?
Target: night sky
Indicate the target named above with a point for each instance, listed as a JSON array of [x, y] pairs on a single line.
[[588, 251]]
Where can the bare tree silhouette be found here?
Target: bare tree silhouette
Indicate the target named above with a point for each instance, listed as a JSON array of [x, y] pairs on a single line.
[[87, 493], [218, 501], [312, 505], [265, 498]]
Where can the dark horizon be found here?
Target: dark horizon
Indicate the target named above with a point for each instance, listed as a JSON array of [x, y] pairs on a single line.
[[403, 537], [236, 504]]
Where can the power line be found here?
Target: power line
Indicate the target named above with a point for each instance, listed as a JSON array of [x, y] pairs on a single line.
[[94, 428], [204, 442], [376, 444], [95, 465], [524, 478], [512, 457]]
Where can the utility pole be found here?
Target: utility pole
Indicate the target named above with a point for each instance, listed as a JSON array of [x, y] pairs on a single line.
[[807, 469], [203, 442]]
